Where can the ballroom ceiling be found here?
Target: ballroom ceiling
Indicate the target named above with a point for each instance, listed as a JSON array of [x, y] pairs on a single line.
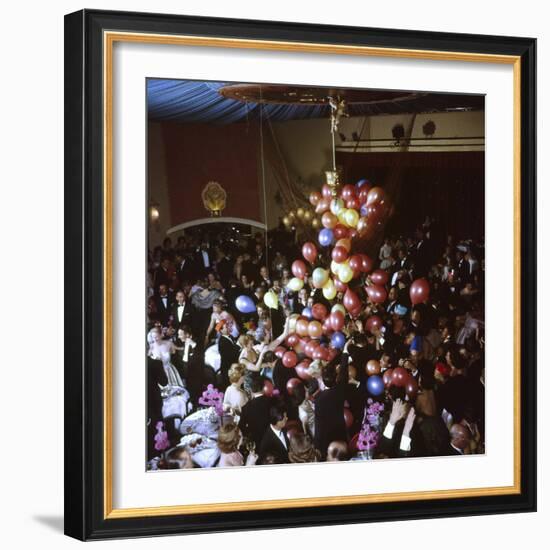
[[227, 103]]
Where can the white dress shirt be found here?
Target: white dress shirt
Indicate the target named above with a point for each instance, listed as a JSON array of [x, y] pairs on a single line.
[[279, 434]]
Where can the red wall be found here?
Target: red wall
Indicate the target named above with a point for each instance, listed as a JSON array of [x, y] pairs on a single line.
[[198, 153]]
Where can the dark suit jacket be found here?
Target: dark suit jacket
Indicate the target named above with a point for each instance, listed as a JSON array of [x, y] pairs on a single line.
[[163, 311], [187, 317], [229, 354], [272, 445], [329, 417], [281, 375], [255, 418]]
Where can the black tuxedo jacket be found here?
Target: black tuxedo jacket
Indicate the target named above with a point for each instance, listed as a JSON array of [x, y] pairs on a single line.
[[229, 354], [272, 445], [186, 271], [163, 311], [329, 417], [255, 418], [187, 317]]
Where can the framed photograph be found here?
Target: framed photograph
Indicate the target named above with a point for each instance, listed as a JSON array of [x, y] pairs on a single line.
[[300, 274]]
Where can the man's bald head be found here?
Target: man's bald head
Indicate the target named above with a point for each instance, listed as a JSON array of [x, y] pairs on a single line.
[[460, 436]]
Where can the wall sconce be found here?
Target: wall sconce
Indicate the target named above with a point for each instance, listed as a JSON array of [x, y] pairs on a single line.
[[154, 213]]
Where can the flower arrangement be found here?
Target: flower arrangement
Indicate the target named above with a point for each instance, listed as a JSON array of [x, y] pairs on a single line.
[[212, 397], [369, 436], [161, 437]]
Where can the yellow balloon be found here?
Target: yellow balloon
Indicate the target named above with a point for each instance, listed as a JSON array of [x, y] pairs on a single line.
[[342, 217], [308, 215], [346, 273], [338, 307], [271, 300], [315, 223], [334, 267], [336, 206], [352, 217], [286, 221], [292, 322], [329, 290], [295, 284], [300, 212], [319, 277]]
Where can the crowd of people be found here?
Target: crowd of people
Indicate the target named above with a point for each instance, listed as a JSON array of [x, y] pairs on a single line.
[[220, 395]]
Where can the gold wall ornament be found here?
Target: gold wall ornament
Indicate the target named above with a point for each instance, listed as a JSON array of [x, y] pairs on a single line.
[[214, 197], [333, 180]]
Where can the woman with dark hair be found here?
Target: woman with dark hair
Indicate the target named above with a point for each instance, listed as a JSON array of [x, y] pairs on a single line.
[[302, 450]]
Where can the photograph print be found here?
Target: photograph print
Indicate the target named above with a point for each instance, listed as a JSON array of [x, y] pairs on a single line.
[[315, 274]]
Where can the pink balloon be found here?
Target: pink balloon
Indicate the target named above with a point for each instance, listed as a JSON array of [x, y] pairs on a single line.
[[310, 347], [314, 198], [302, 369], [326, 191], [299, 269], [309, 252], [348, 192], [322, 206], [339, 285], [292, 340], [280, 351], [419, 291], [320, 354]]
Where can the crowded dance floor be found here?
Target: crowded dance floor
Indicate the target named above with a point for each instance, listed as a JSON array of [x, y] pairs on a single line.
[[347, 328]]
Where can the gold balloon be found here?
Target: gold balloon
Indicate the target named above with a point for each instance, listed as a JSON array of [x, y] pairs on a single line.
[[315, 223], [291, 214], [308, 215], [286, 221], [346, 243], [362, 225], [300, 212]]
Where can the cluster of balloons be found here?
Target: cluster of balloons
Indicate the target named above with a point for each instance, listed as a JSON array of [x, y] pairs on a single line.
[[303, 216], [401, 377]]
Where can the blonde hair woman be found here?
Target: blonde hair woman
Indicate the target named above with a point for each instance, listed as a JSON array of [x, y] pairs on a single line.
[[235, 398], [229, 441]]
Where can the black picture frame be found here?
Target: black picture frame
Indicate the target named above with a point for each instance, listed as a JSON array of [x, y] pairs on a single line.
[[84, 256]]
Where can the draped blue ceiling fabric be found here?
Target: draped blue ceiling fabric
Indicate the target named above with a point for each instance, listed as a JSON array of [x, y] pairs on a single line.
[[200, 102]]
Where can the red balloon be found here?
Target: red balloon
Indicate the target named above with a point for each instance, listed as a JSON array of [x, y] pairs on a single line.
[[366, 263], [291, 384], [411, 387], [363, 192], [400, 377], [348, 192], [290, 359], [373, 323], [348, 418], [351, 300], [387, 377], [302, 327], [319, 311], [340, 232], [377, 294], [329, 220], [339, 254], [292, 340], [310, 347], [355, 262], [309, 252], [339, 285], [337, 320], [376, 213], [326, 191], [355, 312], [379, 277], [353, 203], [279, 351], [322, 206], [353, 233], [320, 353], [373, 367], [376, 194], [299, 269], [302, 370], [419, 291], [314, 198], [268, 388]]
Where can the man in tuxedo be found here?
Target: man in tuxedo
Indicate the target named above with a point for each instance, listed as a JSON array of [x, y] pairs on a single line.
[[185, 267], [403, 263], [229, 353], [224, 268], [275, 441], [182, 311], [162, 273], [460, 439], [329, 407], [255, 417], [163, 304], [203, 261]]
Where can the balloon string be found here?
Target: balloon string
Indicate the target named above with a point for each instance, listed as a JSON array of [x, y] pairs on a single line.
[[262, 164]]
